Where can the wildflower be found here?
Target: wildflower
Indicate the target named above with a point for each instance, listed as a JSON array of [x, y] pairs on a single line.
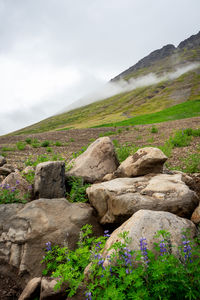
[[186, 248], [17, 182], [88, 295], [143, 249], [163, 249], [106, 233], [48, 246]]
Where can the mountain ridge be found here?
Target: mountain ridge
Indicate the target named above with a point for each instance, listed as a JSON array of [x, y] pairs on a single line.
[[142, 100]]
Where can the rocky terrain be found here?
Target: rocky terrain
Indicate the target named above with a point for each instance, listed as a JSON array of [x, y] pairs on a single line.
[[139, 195]]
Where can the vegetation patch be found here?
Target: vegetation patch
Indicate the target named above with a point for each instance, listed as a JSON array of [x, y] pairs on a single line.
[[77, 189], [129, 274], [184, 110]]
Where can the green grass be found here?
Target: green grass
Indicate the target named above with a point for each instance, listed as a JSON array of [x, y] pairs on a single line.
[[184, 110]]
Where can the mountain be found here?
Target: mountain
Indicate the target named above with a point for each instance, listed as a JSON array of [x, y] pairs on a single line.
[[166, 77]]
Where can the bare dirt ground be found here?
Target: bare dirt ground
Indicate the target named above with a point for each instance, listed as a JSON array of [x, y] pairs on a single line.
[[74, 140]]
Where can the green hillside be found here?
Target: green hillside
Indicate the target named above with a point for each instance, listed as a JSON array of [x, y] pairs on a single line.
[[142, 101]]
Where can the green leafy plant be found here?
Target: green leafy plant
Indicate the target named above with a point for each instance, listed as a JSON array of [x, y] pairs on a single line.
[[21, 146], [154, 129], [180, 139], [123, 151], [5, 149], [77, 189], [145, 274], [49, 149], [45, 144], [29, 176], [126, 274], [69, 265], [35, 160], [10, 194], [28, 140], [58, 144]]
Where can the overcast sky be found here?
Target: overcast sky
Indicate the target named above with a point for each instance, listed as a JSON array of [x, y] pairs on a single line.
[[53, 52]]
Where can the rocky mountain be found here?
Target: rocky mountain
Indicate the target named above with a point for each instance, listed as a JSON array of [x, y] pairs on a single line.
[[166, 77], [169, 50]]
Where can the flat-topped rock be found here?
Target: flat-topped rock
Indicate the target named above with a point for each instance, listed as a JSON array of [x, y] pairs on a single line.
[[144, 161], [118, 199]]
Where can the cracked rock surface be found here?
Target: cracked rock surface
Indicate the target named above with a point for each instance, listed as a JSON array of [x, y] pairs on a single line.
[[25, 228], [118, 199]]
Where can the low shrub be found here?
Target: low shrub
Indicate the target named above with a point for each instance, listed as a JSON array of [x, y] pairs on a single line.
[[142, 274], [77, 189], [58, 144], [10, 194], [21, 146], [35, 160], [28, 140], [45, 144], [154, 129], [123, 151]]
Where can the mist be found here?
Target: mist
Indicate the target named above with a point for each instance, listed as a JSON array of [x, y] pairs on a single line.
[[121, 86]]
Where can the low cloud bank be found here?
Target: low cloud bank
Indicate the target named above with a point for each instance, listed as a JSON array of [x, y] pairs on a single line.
[[121, 86]]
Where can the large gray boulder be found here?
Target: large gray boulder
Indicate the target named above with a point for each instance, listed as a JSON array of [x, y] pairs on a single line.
[[97, 161], [26, 228], [50, 180], [118, 199], [144, 161], [146, 223]]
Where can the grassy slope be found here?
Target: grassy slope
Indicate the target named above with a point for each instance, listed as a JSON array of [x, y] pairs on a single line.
[[135, 103], [184, 110]]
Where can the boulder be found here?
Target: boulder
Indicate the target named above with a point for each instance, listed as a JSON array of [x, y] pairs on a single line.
[[196, 215], [26, 228], [16, 180], [50, 180], [116, 200], [47, 291], [32, 289], [97, 161], [10, 167], [2, 160], [144, 161], [145, 224], [4, 171]]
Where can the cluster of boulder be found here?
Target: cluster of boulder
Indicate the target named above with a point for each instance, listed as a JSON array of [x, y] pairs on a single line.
[[139, 196]]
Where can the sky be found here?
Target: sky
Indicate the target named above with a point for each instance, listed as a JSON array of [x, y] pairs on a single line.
[[54, 52]]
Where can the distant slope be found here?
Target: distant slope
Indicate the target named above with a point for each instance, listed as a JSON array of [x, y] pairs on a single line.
[[184, 110], [140, 101]]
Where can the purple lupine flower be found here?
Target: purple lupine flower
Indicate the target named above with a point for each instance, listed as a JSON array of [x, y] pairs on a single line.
[[143, 249], [186, 248], [48, 246], [88, 296], [163, 249], [17, 182], [106, 233]]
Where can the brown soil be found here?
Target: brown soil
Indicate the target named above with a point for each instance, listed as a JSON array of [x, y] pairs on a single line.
[[75, 139]]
